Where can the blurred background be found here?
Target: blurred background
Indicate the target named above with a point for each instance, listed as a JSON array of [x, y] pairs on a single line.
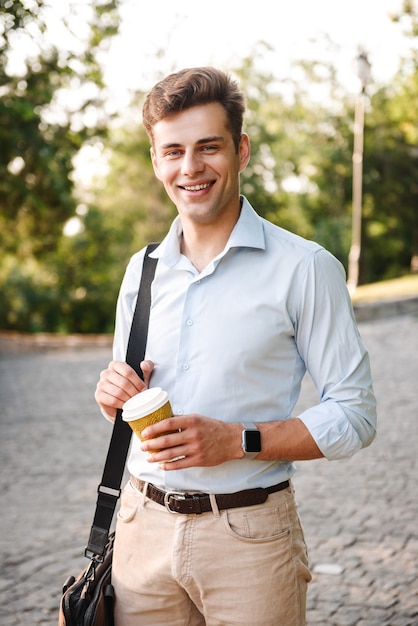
[[332, 92]]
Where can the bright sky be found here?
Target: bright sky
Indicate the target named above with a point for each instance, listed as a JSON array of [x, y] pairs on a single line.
[[222, 32]]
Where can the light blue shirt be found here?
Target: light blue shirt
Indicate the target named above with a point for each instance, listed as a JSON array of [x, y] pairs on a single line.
[[234, 342]]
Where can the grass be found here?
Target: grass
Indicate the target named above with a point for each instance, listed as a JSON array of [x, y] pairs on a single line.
[[403, 287]]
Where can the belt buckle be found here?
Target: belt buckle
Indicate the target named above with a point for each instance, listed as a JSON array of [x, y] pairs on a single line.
[[177, 495]]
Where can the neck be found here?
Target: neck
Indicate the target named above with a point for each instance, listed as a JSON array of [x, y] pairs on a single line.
[[201, 243], [201, 252]]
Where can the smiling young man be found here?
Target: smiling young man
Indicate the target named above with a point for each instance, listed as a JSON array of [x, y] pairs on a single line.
[[200, 175], [208, 531]]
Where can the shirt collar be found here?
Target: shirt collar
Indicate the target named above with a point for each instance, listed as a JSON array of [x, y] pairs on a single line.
[[248, 232]]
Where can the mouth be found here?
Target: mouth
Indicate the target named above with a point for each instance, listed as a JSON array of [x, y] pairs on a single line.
[[196, 187]]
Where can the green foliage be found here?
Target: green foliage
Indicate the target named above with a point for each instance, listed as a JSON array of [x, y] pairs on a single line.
[[391, 168], [39, 132], [132, 201], [299, 176]]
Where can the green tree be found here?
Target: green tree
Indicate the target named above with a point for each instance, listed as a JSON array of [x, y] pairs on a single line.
[[300, 169], [390, 237], [391, 159], [275, 130], [128, 209], [299, 177], [41, 130]]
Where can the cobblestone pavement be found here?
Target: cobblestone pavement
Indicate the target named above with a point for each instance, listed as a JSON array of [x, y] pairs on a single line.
[[360, 515]]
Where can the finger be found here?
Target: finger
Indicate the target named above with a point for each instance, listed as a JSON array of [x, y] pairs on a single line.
[[126, 371], [180, 462], [116, 385], [163, 446], [169, 456], [147, 368], [124, 376], [168, 425], [108, 394]]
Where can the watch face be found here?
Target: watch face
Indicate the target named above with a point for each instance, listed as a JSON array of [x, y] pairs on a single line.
[[252, 441]]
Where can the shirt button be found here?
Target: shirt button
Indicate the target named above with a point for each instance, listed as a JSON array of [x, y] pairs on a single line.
[[186, 366], [197, 282], [189, 322], [179, 412]]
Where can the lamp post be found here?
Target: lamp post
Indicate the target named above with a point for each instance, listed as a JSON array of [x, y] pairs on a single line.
[[363, 72]]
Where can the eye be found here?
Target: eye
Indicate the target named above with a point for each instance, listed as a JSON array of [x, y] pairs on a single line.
[[173, 154], [209, 148]]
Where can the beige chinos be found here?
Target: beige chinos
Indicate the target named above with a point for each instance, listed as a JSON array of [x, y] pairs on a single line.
[[222, 568]]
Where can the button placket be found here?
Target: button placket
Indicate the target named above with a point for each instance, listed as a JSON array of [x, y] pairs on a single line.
[[187, 347]]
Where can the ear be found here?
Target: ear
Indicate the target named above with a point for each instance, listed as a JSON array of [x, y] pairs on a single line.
[[244, 151], [154, 163]]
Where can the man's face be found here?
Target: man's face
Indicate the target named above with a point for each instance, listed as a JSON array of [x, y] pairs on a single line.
[[194, 156]]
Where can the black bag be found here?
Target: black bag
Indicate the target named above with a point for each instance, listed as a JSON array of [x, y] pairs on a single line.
[[88, 600]]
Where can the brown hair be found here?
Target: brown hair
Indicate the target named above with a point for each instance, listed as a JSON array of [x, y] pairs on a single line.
[[192, 87]]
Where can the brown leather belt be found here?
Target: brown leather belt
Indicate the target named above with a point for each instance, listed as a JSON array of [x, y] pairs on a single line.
[[196, 503]]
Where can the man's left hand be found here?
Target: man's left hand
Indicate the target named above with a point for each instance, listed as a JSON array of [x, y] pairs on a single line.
[[193, 441]]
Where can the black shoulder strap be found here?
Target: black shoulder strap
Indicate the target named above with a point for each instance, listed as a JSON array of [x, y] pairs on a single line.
[[109, 488]]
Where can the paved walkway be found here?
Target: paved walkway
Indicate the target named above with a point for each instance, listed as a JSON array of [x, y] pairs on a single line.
[[360, 515]]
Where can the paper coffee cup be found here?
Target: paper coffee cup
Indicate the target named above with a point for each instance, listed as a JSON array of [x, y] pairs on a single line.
[[146, 408]]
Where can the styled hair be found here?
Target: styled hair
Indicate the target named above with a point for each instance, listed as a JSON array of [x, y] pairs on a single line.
[[192, 87]]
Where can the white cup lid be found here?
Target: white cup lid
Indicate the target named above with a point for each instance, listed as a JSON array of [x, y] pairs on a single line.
[[144, 403]]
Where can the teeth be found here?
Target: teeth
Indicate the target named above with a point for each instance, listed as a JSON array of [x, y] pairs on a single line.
[[197, 187]]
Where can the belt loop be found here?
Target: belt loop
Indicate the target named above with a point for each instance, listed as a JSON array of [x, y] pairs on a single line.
[[144, 495], [214, 504]]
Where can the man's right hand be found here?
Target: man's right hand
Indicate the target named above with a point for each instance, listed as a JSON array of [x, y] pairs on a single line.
[[118, 383]]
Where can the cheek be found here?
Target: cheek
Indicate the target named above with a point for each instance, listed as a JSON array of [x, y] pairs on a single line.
[[164, 172], [156, 170], [170, 190]]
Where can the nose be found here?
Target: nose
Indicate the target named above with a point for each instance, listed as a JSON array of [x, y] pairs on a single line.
[[192, 163]]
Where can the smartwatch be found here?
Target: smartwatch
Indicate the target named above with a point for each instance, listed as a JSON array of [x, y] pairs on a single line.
[[251, 438]]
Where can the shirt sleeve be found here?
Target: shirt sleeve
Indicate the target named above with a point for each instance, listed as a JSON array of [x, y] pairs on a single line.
[[329, 342]]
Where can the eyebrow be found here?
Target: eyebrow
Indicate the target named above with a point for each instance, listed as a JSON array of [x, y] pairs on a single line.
[[199, 142]]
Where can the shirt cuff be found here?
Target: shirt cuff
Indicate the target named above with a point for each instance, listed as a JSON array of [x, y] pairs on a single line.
[[109, 419], [332, 431]]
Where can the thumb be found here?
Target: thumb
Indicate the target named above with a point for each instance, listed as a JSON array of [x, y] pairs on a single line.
[[147, 368]]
